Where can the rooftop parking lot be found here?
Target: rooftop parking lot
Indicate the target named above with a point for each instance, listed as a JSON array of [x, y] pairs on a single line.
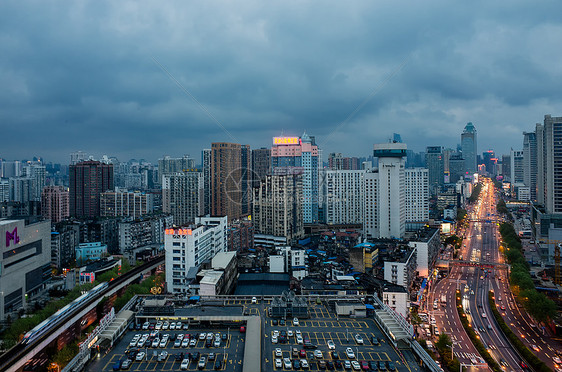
[[208, 349]]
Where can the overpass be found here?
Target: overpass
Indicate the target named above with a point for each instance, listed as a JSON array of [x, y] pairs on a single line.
[[480, 264], [14, 359]]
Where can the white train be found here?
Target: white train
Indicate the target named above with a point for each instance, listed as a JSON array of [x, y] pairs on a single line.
[[53, 320]]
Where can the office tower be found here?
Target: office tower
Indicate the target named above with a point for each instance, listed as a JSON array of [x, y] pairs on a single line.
[[230, 180], [351, 163], [88, 180], [77, 157], [456, 168], [182, 196], [530, 162], [506, 167], [188, 247], [344, 196], [301, 155], [335, 161], [447, 153], [516, 166], [490, 162], [435, 165], [261, 165], [206, 162], [55, 203], [174, 165], [416, 182], [469, 146], [126, 204], [278, 206], [391, 196], [549, 163]]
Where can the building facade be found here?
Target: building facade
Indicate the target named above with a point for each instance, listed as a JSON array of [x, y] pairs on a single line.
[[344, 196], [88, 180], [549, 163], [416, 182], [300, 155], [427, 244], [530, 162], [25, 263], [126, 204], [469, 146], [435, 164], [189, 247], [278, 206], [174, 165], [183, 196], [55, 203]]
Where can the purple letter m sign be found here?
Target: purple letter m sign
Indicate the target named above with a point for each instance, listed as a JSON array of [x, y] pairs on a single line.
[[12, 236]]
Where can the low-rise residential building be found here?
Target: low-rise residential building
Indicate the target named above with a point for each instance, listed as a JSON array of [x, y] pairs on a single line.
[[427, 243], [86, 252], [402, 269]]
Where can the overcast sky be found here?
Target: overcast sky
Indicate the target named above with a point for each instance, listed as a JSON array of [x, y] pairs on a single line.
[[91, 76]]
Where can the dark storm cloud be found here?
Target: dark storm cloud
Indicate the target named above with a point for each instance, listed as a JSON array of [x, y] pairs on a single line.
[[81, 76]]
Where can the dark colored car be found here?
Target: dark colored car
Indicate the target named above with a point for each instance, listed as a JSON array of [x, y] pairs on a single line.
[[382, 366], [373, 365], [117, 365], [224, 337], [282, 322], [218, 364], [195, 356], [296, 364], [309, 346], [322, 364], [179, 357], [390, 366], [335, 355], [330, 365], [375, 341], [275, 322], [338, 363]]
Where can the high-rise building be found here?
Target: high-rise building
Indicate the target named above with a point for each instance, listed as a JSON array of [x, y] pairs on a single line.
[[22, 189], [506, 167], [182, 196], [490, 162], [390, 190], [456, 168], [77, 157], [416, 182], [549, 163], [174, 165], [88, 180], [206, 162], [435, 164], [530, 162], [335, 161], [4, 190], [278, 206], [188, 247], [344, 196], [230, 180], [261, 165], [38, 173], [55, 203], [469, 146], [301, 155], [516, 166], [124, 203]]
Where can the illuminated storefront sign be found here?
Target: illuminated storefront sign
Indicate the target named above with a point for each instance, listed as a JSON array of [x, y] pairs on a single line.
[[286, 140], [178, 231]]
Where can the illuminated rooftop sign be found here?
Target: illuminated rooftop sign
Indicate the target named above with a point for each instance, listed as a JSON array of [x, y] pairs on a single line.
[[286, 140], [178, 231]]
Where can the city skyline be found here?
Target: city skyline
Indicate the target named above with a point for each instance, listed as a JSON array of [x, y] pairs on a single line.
[[144, 80]]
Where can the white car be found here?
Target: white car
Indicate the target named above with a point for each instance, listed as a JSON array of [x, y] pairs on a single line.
[[202, 335], [298, 332], [318, 354], [163, 342], [287, 363], [159, 325], [295, 321], [278, 363], [217, 343], [349, 352], [355, 365], [254, 300], [276, 332], [184, 364], [178, 325], [185, 342], [140, 356], [304, 364], [166, 325], [278, 352], [156, 342], [331, 345], [146, 325], [180, 336], [346, 364], [274, 339], [290, 333], [299, 340], [193, 342], [359, 339]]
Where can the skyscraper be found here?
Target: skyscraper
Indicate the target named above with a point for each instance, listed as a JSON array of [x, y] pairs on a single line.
[[300, 155], [88, 180], [230, 183], [344, 196], [469, 148], [530, 162], [417, 194], [549, 163], [206, 162], [174, 165], [516, 166], [435, 165]]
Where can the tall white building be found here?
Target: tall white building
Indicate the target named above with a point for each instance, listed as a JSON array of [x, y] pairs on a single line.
[[371, 221], [417, 194], [182, 196], [516, 166], [391, 189], [549, 163], [344, 196], [188, 247]]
